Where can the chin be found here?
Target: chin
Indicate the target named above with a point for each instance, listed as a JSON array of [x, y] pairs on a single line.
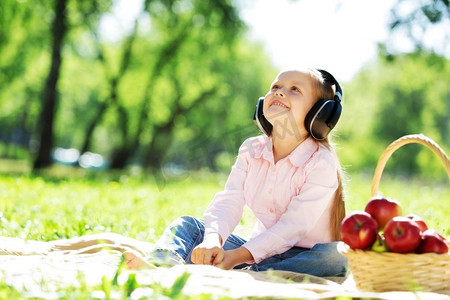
[[279, 114]]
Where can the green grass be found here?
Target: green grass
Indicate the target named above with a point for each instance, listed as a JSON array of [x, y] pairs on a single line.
[[140, 207], [54, 206]]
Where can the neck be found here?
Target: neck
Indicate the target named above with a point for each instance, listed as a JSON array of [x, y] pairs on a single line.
[[282, 147]]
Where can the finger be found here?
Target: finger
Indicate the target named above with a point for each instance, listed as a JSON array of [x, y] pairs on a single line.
[[194, 256], [221, 266], [218, 259], [198, 256], [207, 258]]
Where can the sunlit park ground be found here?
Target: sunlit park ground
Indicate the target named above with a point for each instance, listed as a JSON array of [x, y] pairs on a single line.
[[66, 202]]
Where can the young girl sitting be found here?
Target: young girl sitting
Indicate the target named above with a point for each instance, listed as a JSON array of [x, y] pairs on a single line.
[[289, 177]]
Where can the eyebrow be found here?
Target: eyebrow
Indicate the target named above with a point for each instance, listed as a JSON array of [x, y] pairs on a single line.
[[300, 84]]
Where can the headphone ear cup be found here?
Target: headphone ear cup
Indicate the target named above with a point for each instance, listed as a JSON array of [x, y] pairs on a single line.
[[259, 118], [334, 118], [322, 117]]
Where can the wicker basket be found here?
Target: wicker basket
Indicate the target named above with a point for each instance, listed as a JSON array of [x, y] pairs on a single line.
[[387, 271]]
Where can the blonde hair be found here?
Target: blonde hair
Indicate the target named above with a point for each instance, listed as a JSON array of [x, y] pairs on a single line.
[[323, 90]]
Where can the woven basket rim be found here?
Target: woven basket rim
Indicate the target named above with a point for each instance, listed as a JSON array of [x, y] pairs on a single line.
[[345, 250]]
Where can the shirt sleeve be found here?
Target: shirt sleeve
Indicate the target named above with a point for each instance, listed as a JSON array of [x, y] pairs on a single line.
[[225, 211], [303, 212]]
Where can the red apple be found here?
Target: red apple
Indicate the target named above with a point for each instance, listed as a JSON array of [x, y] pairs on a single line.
[[359, 230], [383, 209], [419, 221], [432, 242], [435, 232], [402, 235]]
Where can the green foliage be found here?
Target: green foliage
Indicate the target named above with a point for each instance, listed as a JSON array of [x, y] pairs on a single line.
[[180, 89], [177, 287], [128, 87], [415, 20], [393, 97]]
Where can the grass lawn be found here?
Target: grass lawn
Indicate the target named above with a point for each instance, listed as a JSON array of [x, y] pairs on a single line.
[[141, 206]]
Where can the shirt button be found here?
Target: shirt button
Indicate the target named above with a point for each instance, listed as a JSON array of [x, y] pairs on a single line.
[[271, 210], [270, 191]]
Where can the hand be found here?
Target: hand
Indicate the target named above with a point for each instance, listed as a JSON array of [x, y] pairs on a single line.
[[209, 252], [235, 257]]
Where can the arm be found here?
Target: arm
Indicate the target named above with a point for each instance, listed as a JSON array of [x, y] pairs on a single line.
[[224, 212], [221, 217], [306, 211]]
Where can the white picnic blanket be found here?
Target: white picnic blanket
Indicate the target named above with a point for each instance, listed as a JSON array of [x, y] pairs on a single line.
[[40, 274]]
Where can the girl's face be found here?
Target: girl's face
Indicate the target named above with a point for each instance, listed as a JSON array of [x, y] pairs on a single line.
[[290, 98]]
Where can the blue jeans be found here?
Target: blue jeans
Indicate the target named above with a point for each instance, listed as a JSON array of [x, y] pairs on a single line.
[[185, 233]]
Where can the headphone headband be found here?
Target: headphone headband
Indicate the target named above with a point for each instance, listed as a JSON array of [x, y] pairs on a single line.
[[330, 79]]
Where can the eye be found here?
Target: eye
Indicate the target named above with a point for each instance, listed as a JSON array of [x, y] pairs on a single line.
[[275, 87], [296, 89]]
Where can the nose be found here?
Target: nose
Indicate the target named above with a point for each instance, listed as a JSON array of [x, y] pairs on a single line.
[[279, 93]]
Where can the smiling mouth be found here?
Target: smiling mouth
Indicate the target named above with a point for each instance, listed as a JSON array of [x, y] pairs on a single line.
[[278, 103]]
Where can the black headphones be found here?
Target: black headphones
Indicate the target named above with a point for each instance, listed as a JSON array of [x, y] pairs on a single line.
[[321, 118]]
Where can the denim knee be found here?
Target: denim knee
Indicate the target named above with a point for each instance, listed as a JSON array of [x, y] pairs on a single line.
[[321, 260], [183, 221], [337, 263], [182, 236]]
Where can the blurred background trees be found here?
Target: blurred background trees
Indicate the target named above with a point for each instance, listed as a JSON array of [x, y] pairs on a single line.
[[178, 87], [405, 90]]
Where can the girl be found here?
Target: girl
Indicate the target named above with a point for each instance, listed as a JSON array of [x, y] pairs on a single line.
[[290, 178]]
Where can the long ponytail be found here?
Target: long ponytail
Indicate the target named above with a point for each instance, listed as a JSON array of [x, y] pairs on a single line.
[[338, 208], [337, 212], [323, 90]]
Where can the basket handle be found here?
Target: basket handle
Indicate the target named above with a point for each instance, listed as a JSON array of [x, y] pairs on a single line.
[[407, 139]]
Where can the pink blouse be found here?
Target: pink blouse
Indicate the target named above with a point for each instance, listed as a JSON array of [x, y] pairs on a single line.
[[291, 199]]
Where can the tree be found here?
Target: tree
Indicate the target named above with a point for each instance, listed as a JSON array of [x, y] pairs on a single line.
[[50, 93], [113, 85], [416, 21], [418, 102], [183, 74], [395, 96], [23, 37], [220, 25]]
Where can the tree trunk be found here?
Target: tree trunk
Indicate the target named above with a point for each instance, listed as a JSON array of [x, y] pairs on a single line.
[[122, 153], [159, 145], [162, 137], [50, 94], [120, 157], [112, 99], [90, 129]]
